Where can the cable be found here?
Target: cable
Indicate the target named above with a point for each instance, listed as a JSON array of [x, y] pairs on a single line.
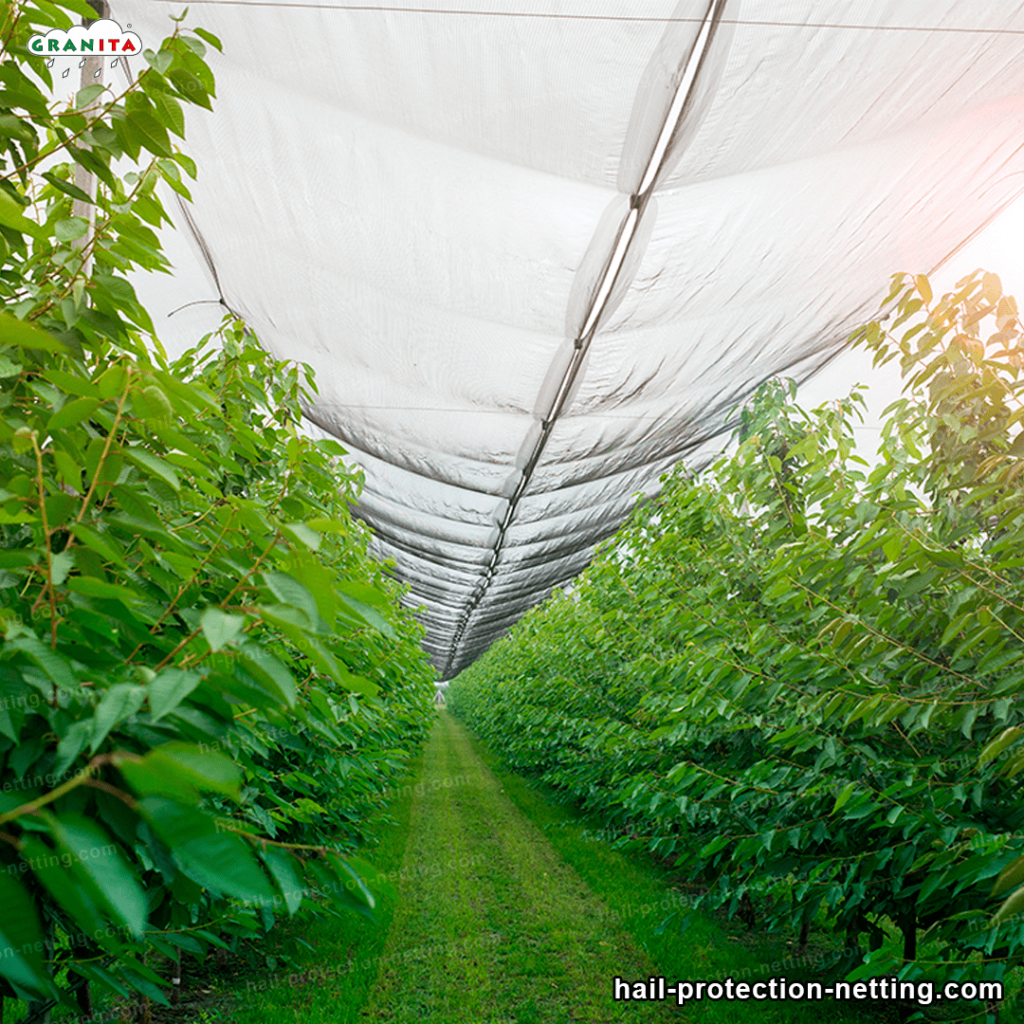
[[598, 301], [554, 16]]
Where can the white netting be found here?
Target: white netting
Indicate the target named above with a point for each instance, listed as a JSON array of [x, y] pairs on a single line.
[[427, 207]]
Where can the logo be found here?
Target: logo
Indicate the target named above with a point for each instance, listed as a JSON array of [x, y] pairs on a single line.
[[103, 38]]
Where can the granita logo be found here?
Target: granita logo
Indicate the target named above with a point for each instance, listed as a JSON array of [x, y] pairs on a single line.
[[103, 38]]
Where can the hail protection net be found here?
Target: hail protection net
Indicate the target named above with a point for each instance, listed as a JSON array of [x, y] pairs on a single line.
[[537, 250]]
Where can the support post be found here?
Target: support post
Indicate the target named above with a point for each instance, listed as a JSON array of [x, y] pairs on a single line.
[[92, 74]]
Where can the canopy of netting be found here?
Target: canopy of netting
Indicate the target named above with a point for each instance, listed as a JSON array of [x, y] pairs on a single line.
[[537, 250]]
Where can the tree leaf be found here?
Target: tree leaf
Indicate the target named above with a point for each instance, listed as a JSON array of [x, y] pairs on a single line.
[[67, 187], [268, 670], [71, 413], [97, 858], [90, 586], [996, 746], [118, 703], [21, 938], [71, 228], [182, 771], [152, 465], [23, 334], [302, 534], [219, 627], [287, 874], [168, 688], [289, 590], [12, 215], [217, 860]]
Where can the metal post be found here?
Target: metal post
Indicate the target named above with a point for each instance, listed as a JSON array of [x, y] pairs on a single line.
[[92, 74]]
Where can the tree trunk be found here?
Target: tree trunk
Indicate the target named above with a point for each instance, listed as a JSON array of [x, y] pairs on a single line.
[[908, 925], [175, 981], [85, 999]]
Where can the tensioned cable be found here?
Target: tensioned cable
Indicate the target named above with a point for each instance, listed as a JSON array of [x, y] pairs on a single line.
[[554, 15], [629, 417], [610, 274]]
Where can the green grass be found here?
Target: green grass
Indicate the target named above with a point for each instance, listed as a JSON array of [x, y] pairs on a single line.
[[639, 893], [501, 907], [332, 982], [493, 926], [508, 910]]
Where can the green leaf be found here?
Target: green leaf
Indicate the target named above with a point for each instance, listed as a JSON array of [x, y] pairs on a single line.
[[1010, 877], [302, 534], [72, 383], [71, 413], [71, 229], [169, 688], [72, 744], [182, 771], [338, 885], [111, 382], [106, 547], [96, 858], [67, 187], [268, 670], [287, 873], [92, 587], [354, 883], [358, 684], [364, 593], [210, 38], [216, 859], [1011, 907], [73, 892], [287, 616], [9, 368], [996, 746], [12, 216], [219, 627], [289, 590], [370, 616], [189, 87], [119, 702], [79, 7], [60, 565], [170, 113], [152, 465], [844, 796], [88, 95], [52, 663], [23, 334], [145, 126], [21, 939], [160, 61]]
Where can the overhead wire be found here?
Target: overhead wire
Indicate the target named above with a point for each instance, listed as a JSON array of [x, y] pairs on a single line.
[[631, 18]]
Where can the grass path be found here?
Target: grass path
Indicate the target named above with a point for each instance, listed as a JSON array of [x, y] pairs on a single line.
[[492, 926], [499, 905]]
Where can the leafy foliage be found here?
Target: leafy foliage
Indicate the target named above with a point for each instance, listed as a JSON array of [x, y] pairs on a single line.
[[799, 679], [206, 685]]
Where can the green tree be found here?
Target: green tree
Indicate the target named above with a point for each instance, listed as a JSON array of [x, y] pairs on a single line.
[[796, 676], [196, 645]]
